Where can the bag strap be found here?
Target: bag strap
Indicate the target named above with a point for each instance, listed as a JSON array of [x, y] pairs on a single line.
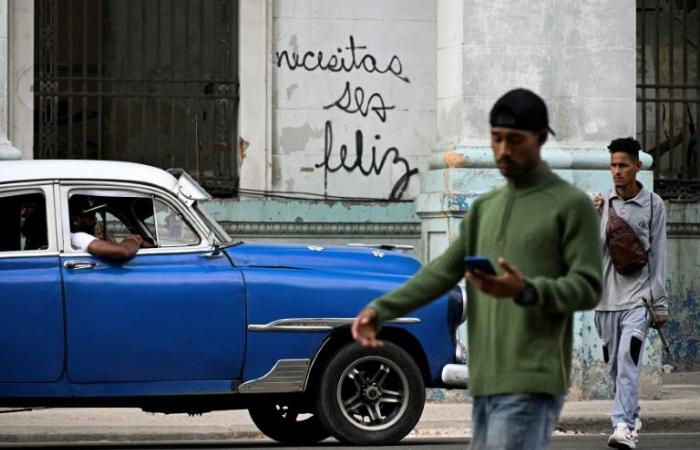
[[651, 218], [611, 211]]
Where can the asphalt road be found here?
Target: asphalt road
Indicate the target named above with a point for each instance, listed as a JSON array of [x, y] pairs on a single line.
[[660, 441]]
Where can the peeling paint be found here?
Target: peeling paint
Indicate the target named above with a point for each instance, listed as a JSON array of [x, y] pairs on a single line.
[[683, 286], [683, 331], [276, 174], [459, 202], [242, 147], [290, 90], [295, 139], [454, 159]]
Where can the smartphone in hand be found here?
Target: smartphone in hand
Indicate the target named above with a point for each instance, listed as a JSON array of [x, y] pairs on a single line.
[[479, 262]]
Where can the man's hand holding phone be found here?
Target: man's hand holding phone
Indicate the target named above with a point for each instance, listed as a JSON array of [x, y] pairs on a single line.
[[507, 285]]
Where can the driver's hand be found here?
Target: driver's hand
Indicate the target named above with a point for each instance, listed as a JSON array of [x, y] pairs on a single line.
[[364, 329]]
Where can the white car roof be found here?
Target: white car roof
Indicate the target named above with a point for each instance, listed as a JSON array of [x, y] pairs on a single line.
[[68, 169]]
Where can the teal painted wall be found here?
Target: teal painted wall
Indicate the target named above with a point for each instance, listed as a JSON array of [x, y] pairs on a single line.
[[319, 222], [683, 285]]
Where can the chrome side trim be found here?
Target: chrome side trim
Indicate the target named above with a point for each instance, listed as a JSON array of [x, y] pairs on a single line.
[[28, 254], [287, 375], [318, 324]]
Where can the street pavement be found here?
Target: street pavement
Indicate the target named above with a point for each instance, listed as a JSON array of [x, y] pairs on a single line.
[[656, 441], [678, 411]]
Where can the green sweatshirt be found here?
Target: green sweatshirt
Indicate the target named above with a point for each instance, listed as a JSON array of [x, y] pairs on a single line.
[[546, 228]]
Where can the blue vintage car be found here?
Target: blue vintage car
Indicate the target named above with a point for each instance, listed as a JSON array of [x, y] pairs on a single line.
[[199, 321]]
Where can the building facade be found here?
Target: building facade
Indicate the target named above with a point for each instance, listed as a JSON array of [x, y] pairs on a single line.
[[331, 121]]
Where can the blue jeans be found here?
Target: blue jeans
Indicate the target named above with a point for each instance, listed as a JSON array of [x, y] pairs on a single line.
[[514, 421]]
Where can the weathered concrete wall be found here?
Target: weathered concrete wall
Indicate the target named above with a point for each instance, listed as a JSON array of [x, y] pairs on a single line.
[[353, 96], [683, 329]]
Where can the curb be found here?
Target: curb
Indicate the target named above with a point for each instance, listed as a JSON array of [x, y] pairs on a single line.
[[679, 423], [9, 439]]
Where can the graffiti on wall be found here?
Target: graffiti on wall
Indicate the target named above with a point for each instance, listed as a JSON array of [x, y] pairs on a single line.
[[354, 102], [355, 99]]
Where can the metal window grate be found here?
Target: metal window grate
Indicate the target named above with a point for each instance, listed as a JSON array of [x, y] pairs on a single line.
[[151, 81], [668, 92]]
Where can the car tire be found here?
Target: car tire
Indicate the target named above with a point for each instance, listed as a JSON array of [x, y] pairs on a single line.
[[371, 396], [282, 423]]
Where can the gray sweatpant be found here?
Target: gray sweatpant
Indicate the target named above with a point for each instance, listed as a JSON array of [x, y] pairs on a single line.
[[623, 334]]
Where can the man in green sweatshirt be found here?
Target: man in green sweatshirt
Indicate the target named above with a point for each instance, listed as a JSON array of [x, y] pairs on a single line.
[[544, 234]]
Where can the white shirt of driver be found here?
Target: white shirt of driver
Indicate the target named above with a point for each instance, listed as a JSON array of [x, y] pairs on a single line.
[[81, 240]]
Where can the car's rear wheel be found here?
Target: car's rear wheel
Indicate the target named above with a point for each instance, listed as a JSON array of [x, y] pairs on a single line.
[[286, 423], [371, 396]]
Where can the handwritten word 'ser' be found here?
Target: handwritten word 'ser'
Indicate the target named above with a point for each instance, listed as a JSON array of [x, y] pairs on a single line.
[[356, 103], [356, 59], [375, 166]]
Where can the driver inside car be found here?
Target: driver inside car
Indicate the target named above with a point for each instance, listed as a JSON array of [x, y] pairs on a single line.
[[82, 236]]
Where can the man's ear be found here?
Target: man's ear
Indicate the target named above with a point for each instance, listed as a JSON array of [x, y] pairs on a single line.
[[638, 164]]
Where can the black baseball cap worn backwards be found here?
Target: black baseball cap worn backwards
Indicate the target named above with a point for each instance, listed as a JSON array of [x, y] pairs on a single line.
[[521, 109]]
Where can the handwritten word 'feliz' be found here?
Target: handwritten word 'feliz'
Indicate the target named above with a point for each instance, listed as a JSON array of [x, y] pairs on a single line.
[[376, 164], [311, 61]]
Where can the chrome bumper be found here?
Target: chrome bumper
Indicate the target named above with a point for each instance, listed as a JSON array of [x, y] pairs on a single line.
[[455, 375]]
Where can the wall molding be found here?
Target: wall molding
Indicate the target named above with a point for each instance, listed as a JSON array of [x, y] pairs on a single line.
[[326, 229], [682, 230]]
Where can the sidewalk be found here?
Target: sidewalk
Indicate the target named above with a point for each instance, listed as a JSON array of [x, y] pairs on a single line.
[[677, 411]]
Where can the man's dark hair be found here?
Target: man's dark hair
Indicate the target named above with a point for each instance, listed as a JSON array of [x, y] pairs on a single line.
[[627, 145]]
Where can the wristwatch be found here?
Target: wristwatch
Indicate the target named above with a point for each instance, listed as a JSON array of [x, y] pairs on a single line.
[[527, 295]]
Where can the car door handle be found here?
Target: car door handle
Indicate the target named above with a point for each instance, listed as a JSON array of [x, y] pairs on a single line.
[[76, 264]]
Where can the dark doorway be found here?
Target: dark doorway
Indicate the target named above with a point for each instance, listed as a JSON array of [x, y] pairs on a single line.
[[668, 93], [150, 81]]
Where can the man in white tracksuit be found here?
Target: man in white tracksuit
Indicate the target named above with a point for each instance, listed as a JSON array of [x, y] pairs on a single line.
[[621, 318]]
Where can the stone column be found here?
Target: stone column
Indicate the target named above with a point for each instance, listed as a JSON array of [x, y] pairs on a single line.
[[581, 58], [7, 151]]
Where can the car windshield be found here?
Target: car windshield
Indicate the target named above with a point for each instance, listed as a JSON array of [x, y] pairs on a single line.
[[213, 225]]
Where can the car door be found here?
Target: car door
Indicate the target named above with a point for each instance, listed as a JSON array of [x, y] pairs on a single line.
[[174, 312], [31, 306]]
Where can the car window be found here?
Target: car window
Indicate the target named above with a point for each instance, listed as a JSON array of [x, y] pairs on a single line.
[[23, 226], [172, 230], [114, 215], [109, 215]]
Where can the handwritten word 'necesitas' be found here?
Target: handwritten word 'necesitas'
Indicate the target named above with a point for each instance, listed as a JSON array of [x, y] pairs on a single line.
[[356, 59]]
